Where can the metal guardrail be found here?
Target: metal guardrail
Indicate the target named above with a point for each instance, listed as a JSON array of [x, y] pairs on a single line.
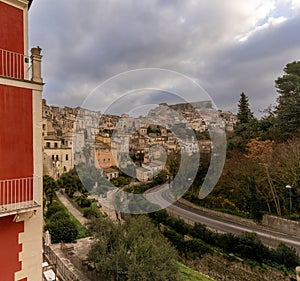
[[18, 194], [14, 65]]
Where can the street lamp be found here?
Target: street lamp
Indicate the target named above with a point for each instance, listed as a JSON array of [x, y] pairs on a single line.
[[289, 187]]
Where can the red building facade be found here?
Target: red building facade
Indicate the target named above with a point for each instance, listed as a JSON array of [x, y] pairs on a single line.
[[21, 88]]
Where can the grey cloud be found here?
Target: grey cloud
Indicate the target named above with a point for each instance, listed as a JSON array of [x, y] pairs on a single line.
[[86, 43], [253, 66]]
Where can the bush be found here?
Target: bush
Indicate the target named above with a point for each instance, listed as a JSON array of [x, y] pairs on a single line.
[[158, 217], [197, 247], [59, 216], [52, 209], [91, 213], [82, 201], [250, 246], [287, 256], [62, 230], [120, 181], [175, 239]]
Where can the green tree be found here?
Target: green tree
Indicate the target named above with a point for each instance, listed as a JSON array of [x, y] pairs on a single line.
[[244, 113], [131, 251], [246, 128], [83, 201], [287, 256], [72, 182], [250, 246], [49, 185], [52, 209], [288, 108], [62, 230]]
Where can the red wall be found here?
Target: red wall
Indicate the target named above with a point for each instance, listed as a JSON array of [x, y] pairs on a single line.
[[11, 28], [16, 140], [11, 39], [10, 248], [15, 135]]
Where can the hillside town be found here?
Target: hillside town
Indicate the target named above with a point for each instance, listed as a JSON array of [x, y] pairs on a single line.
[[75, 135]]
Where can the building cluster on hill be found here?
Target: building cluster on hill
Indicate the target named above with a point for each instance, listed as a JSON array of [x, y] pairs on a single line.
[[110, 142]]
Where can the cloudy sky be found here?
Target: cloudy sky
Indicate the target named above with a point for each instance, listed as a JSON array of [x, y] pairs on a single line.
[[225, 46]]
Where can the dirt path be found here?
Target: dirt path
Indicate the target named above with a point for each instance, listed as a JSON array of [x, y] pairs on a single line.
[[71, 208]]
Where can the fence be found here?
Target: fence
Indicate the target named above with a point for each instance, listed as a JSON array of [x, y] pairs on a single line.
[[17, 194], [60, 269], [13, 64]]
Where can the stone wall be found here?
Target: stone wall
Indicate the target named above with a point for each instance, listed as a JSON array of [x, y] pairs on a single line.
[[221, 269], [218, 214], [282, 225]]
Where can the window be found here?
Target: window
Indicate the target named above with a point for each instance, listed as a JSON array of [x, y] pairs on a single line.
[[57, 157], [65, 168], [47, 144], [52, 157], [55, 145], [67, 157]]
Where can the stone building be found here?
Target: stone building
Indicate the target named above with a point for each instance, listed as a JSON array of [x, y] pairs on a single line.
[[57, 157]]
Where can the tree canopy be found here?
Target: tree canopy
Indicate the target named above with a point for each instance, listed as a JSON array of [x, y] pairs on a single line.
[[133, 250], [288, 108]]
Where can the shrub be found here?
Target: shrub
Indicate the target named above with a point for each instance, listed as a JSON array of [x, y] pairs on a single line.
[[175, 239], [91, 213], [62, 230], [196, 246], [59, 216], [52, 209], [286, 256], [250, 246], [82, 201]]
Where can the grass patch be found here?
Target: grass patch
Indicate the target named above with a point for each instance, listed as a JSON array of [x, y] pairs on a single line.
[[188, 274], [82, 230]]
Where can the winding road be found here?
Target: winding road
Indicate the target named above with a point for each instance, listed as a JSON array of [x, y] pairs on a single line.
[[161, 196]]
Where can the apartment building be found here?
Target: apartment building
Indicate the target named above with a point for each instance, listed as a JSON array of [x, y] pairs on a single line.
[[21, 87], [57, 156]]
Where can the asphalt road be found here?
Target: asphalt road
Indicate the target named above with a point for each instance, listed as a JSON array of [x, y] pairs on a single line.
[[269, 237]]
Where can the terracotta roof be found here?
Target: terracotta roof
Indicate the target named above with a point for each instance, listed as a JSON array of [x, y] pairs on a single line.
[[110, 170]]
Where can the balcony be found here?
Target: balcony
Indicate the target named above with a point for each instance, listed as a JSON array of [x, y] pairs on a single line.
[[19, 195], [14, 65]]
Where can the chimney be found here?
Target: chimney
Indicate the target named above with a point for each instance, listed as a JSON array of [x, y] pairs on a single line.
[[36, 62]]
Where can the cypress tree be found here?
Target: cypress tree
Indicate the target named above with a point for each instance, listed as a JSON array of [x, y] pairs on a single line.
[[244, 114]]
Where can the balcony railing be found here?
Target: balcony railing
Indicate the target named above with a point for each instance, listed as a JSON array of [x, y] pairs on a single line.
[[14, 65], [19, 194]]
